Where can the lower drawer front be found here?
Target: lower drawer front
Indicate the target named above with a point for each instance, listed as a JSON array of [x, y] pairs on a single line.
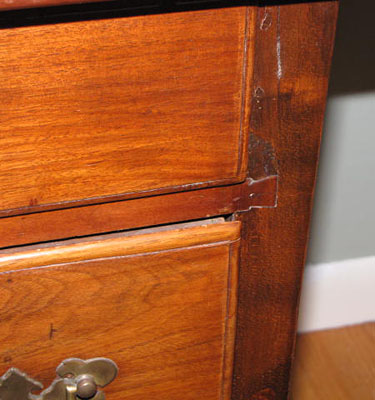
[[161, 305]]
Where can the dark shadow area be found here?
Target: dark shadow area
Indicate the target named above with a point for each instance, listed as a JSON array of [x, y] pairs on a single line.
[[122, 8], [108, 9], [353, 64]]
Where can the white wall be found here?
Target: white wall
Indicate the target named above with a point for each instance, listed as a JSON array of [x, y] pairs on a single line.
[[343, 226], [343, 223]]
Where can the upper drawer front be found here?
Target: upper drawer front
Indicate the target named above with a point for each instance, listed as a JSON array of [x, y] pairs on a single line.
[[160, 305], [98, 109]]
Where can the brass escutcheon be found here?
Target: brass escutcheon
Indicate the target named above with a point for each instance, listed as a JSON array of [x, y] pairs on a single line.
[[76, 380]]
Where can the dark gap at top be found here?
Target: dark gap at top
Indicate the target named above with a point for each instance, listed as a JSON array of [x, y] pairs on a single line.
[[121, 8]]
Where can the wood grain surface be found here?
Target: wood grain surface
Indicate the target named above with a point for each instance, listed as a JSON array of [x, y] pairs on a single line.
[[335, 364], [99, 110], [166, 317], [115, 245], [293, 52], [158, 303], [137, 213]]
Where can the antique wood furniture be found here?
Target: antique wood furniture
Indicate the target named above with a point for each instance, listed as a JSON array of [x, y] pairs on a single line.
[[157, 164]]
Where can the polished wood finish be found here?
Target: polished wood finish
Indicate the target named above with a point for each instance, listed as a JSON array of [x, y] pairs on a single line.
[[115, 245], [293, 50], [335, 364], [149, 120], [161, 305], [137, 213], [101, 110]]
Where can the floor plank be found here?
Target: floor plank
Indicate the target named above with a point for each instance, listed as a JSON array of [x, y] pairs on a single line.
[[335, 364]]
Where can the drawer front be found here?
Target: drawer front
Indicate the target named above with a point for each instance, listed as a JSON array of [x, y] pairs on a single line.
[[115, 108], [160, 305]]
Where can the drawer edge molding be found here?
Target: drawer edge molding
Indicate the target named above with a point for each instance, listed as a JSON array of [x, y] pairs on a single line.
[[122, 246], [138, 213]]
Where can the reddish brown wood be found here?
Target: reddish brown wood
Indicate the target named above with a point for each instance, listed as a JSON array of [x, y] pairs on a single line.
[[136, 213], [293, 51], [95, 111], [292, 57], [160, 305]]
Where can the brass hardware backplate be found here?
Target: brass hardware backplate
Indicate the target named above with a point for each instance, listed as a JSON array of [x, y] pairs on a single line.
[[76, 379]]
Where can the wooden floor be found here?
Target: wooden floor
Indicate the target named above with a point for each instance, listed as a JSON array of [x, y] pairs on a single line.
[[335, 365]]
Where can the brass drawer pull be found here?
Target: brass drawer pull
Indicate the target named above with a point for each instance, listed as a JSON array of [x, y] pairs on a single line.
[[76, 379]]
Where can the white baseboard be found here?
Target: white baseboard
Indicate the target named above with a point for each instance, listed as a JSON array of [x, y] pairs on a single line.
[[337, 294]]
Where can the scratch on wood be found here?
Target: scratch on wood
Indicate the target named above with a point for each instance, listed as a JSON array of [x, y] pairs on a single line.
[[266, 21], [278, 47], [51, 331]]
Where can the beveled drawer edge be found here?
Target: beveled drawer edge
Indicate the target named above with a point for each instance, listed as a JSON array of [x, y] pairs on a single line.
[[137, 213], [246, 97], [122, 246]]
